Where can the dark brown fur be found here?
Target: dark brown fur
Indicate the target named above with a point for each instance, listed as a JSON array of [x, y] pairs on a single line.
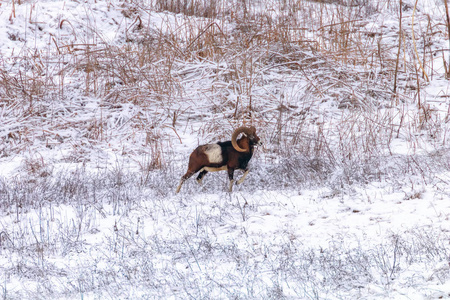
[[231, 158]]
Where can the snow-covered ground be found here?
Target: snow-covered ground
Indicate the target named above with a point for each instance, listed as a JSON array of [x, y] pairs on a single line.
[[101, 103]]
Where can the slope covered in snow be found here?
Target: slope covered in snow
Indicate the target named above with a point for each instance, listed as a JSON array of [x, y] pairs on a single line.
[[101, 103]]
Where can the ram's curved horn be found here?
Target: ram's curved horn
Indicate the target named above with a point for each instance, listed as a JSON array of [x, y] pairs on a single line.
[[248, 131]]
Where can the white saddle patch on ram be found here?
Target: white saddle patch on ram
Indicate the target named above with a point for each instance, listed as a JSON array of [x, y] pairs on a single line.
[[214, 153]]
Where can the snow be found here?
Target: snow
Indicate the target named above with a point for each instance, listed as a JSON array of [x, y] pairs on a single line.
[[346, 199]]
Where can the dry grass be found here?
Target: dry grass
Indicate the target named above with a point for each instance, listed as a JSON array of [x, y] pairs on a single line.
[[317, 80], [248, 56]]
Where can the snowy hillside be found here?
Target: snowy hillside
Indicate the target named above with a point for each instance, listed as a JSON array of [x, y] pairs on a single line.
[[102, 102]]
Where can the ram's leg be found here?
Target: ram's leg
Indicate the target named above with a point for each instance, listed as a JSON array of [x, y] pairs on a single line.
[[241, 180], [200, 176], [179, 185], [230, 176], [183, 179]]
